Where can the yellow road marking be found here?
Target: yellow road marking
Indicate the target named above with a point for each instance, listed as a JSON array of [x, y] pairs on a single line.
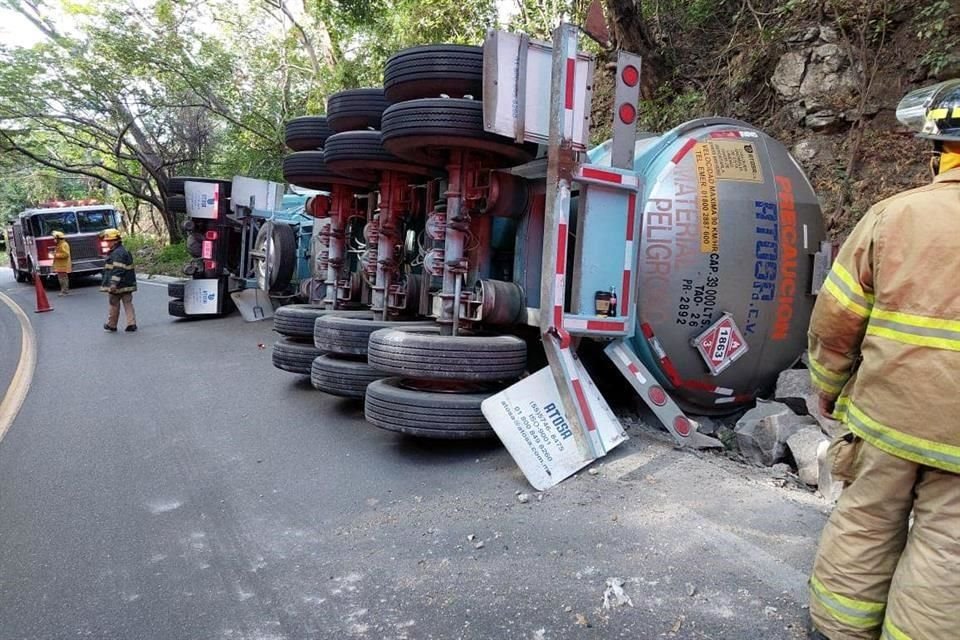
[[23, 376]]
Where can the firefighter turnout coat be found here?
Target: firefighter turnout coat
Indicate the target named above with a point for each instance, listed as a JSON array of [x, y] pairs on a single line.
[[61, 258], [885, 332], [118, 273]]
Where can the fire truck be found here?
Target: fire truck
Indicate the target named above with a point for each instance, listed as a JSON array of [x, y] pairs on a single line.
[[31, 243]]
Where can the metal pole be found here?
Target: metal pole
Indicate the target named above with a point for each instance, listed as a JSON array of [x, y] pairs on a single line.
[[457, 224]]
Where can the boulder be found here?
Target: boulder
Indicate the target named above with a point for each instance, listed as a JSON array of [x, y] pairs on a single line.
[[828, 74], [826, 120], [793, 387], [828, 34], [793, 383], [762, 432], [788, 75], [827, 487], [804, 445]]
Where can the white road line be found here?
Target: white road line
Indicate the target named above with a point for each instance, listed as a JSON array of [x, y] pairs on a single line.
[[23, 376]]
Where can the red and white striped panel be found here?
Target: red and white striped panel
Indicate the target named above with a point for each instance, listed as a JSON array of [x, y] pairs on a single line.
[[587, 324], [569, 89], [589, 172], [624, 298]]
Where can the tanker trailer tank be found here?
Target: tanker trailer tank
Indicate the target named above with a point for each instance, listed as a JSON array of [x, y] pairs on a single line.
[[730, 229]]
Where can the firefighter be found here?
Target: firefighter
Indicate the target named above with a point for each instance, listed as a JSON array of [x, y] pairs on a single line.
[[119, 281], [885, 358], [62, 264]]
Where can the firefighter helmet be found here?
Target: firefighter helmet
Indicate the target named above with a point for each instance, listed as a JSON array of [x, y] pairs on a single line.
[[110, 234], [933, 112], [57, 234]]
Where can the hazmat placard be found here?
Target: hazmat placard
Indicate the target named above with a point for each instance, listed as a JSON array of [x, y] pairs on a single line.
[[721, 344], [530, 419]]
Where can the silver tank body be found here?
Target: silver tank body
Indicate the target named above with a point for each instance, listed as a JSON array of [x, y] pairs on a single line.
[[730, 225]]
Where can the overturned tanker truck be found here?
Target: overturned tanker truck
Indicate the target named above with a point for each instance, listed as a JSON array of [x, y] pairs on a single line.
[[471, 231]]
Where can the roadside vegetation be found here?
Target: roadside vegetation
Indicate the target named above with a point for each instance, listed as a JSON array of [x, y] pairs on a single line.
[[152, 256], [116, 96]]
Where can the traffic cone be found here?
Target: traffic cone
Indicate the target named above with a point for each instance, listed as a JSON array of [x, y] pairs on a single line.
[[42, 303]]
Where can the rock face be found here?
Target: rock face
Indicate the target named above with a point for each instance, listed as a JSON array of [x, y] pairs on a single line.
[[763, 431], [814, 76], [788, 76]]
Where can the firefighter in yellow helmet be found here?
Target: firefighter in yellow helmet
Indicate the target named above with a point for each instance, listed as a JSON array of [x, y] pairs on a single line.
[[62, 264], [885, 358], [120, 281]]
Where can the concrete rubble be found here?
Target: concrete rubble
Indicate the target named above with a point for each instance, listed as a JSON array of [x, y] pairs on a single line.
[[803, 446], [763, 431], [788, 433]]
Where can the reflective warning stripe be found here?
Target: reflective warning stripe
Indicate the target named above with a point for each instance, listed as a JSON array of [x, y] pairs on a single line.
[[859, 614], [848, 291], [924, 331], [121, 265], [892, 632], [825, 379], [902, 445], [938, 114]]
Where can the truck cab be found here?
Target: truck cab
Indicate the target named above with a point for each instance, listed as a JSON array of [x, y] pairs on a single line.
[[32, 243]]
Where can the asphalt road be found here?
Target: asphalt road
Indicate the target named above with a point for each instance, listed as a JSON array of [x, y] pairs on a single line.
[[171, 484]]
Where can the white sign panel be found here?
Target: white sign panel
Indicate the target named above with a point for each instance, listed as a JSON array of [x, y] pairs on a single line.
[[530, 420], [256, 194], [203, 200], [517, 86], [201, 297]]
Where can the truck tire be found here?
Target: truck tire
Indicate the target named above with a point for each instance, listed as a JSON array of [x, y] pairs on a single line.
[[423, 356], [296, 320], [175, 185], [306, 133], [307, 169], [356, 109], [175, 289], [431, 70], [423, 131], [175, 308], [279, 263], [20, 276], [342, 377], [176, 204], [393, 406], [361, 152], [349, 336], [295, 355]]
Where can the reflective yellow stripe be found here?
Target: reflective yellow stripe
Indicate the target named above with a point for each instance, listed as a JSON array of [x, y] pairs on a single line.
[[925, 331], [902, 445], [891, 632], [120, 265], [825, 379], [860, 614], [937, 114], [924, 322], [852, 283], [846, 301], [956, 112], [826, 387], [840, 408], [848, 292], [911, 338]]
